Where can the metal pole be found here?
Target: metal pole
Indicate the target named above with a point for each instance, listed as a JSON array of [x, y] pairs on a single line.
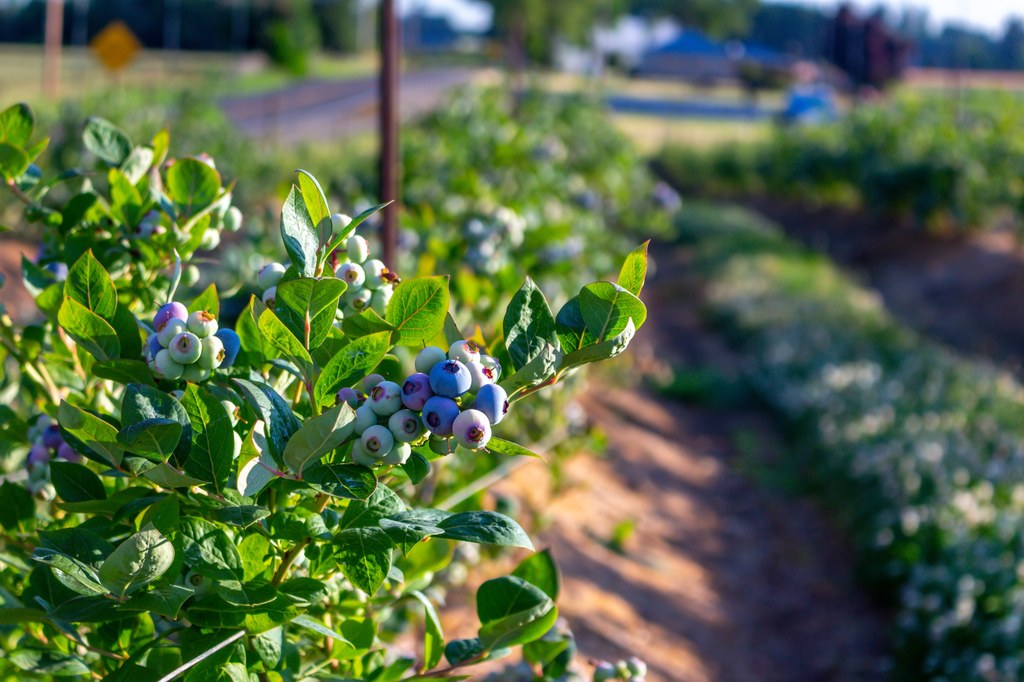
[[389, 74], [51, 53]]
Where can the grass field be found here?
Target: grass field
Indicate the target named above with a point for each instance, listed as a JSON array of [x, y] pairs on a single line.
[[651, 133]]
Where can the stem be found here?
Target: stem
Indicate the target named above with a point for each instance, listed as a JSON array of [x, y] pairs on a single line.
[[452, 668], [290, 556], [22, 197]]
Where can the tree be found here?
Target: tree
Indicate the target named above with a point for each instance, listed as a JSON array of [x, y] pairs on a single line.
[[532, 27], [720, 18], [1011, 47]]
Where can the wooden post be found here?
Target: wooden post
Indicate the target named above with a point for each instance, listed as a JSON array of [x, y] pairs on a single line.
[[51, 52], [388, 111]]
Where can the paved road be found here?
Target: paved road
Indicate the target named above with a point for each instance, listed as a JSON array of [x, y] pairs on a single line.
[[323, 109], [676, 108]]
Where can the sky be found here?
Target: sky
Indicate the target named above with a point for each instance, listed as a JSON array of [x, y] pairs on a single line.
[[989, 15]]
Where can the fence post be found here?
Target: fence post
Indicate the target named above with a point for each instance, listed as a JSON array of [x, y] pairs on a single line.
[[388, 111]]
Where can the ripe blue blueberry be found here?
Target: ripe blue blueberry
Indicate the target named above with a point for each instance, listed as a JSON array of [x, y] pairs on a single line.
[[450, 378], [38, 454], [416, 391], [357, 248], [171, 329], [428, 357], [202, 324], [350, 396], [166, 367], [406, 426], [365, 418], [385, 398], [153, 346], [68, 453], [492, 400], [213, 353], [398, 455], [184, 348], [439, 415], [58, 270], [352, 274], [269, 275], [168, 312], [375, 272], [472, 429], [51, 437], [378, 440], [232, 344], [464, 352]]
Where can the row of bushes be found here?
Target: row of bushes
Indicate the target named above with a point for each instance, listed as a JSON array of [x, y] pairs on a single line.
[[949, 164], [924, 449]]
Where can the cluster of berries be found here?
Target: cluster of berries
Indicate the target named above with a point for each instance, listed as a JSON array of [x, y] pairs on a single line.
[[632, 670], [492, 237], [189, 347], [47, 443], [451, 395]]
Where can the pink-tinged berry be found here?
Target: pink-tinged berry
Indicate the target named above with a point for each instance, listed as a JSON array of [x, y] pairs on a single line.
[[416, 391], [472, 429], [464, 352], [350, 396], [168, 312], [385, 398]]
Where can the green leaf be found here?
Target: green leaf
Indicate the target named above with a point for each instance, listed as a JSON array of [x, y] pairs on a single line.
[[72, 573], [365, 323], [418, 309], [166, 601], [382, 503], [459, 651], [208, 301], [433, 636], [13, 161], [307, 307], [143, 403], [320, 628], [607, 308], [538, 370], [196, 660], [504, 447], [16, 124], [255, 465], [351, 227], [634, 269], [137, 164], [299, 234], [316, 206], [125, 200], [539, 569], [106, 141], [167, 476], [529, 325], [513, 612], [571, 328], [212, 451], [281, 423], [89, 284], [76, 483], [93, 432], [209, 551], [14, 616], [17, 508], [192, 185], [282, 338], [417, 467], [48, 663], [365, 557], [254, 351], [242, 516], [350, 481], [350, 364], [156, 437], [137, 562], [91, 332], [123, 371], [486, 528], [319, 436], [600, 351]]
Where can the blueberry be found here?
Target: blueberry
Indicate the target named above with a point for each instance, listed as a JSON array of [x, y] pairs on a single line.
[[232, 411], [270, 297], [153, 345], [439, 415], [232, 344], [605, 672], [168, 312], [385, 398], [213, 353], [52, 438], [210, 240], [365, 418], [416, 391], [195, 373], [357, 248], [58, 270], [202, 324], [371, 380], [269, 275], [360, 455], [378, 440], [352, 274], [358, 301], [398, 455], [636, 667], [492, 400], [185, 348], [166, 367], [375, 274], [472, 429], [406, 426], [66, 452], [491, 367], [450, 378], [428, 357], [350, 396], [339, 221], [380, 299], [233, 219], [189, 276], [38, 454], [479, 376], [464, 352]]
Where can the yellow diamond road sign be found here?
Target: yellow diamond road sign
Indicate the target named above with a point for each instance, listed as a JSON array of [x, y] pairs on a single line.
[[115, 46]]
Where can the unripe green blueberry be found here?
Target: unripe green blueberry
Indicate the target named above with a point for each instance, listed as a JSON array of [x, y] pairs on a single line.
[[378, 440], [213, 353], [360, 455], [177, 394], [371, 380], [339, 221], [380, 299], [199, 584], [636, 667], [171, 329], [185, 348], [270, 297], [232, 411], [472, 429], [374, 270], [464, 351], [622, 669], [406, 426], [166, 367], [350, 396], [365, 418], [202, 324], [428, 357], [233, 219], [357, 248], [605, 672], [189, 275], [385, 398], [398, 455], [210, 240], [195, 373], [269, 275], [352, 274]]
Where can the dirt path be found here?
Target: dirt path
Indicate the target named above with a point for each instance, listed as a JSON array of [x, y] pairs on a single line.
[[723, 578]]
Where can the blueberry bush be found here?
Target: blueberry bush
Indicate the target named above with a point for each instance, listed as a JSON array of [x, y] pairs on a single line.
[[181, 498]]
